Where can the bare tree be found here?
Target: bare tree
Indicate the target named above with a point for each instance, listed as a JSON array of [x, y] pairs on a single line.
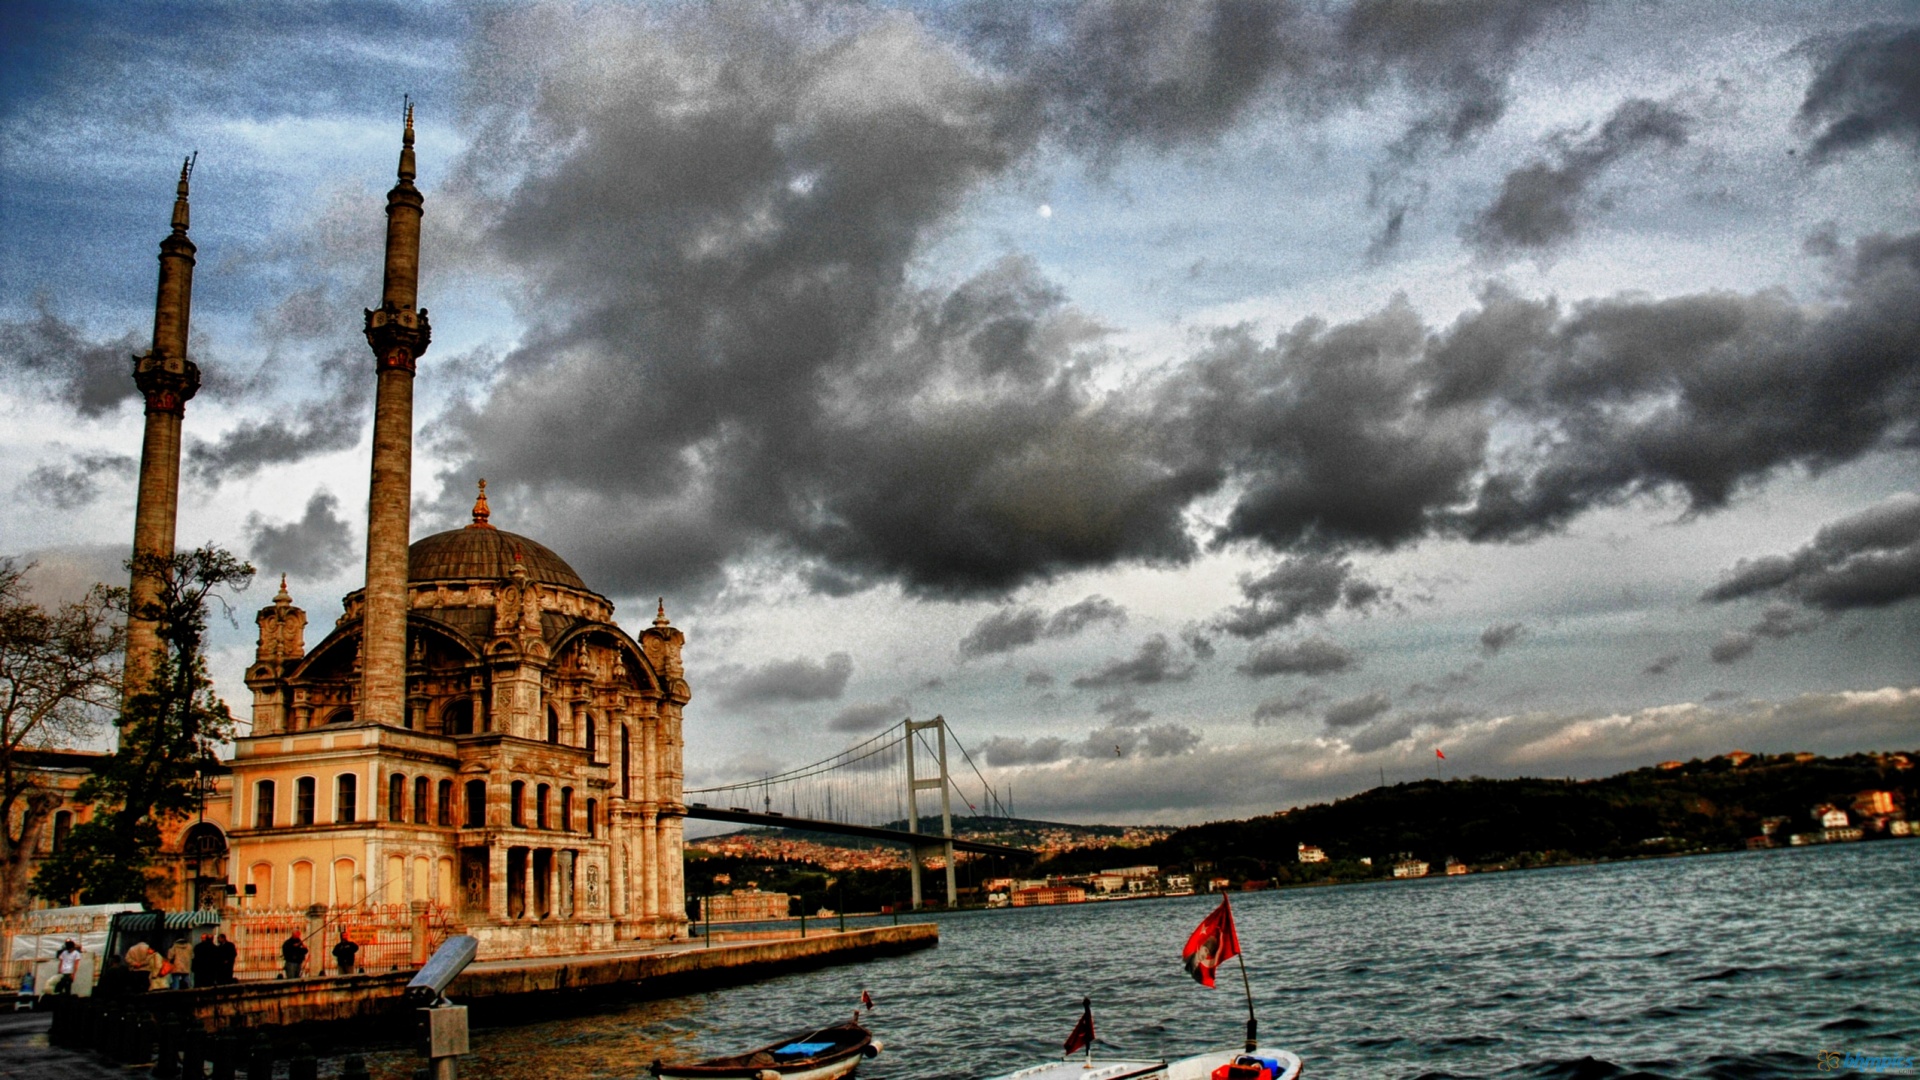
[[59, 684]]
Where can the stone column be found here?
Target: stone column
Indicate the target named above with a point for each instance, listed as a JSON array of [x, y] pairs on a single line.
[[167, 380], [399, 336]]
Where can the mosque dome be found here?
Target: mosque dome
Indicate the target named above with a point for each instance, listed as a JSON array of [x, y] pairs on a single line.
[[482, 551]]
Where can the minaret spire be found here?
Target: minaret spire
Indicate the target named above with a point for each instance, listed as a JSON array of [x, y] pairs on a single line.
[[398, 335], [167, 380]]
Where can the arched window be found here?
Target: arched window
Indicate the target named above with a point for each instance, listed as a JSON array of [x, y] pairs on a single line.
[[553, 725], [396, 798], [263, 805], [341, 716], [62, 825], [346, 798], [476, 804], [303, 800], [626, 764], [593, 817], [593, 740], [516, 810], [422, 791], [444, 811], [566, 809], [540, 807], [458, 718]]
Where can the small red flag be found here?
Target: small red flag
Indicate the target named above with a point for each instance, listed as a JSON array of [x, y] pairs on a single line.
[[1213, 943], [1082, 1036], [1439, 753]]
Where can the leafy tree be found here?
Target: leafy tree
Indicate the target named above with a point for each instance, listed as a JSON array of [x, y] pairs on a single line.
[[168, 730], [59, 682]]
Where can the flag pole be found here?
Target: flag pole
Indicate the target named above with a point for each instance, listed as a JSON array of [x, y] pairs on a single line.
[[1253, 1026]]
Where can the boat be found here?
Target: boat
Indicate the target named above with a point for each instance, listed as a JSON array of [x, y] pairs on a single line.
[[1240, 1064], [1092, 1070], [821, 1054]]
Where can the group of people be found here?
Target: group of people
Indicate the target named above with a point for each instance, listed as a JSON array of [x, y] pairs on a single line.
[[183, 965], [293, 955]]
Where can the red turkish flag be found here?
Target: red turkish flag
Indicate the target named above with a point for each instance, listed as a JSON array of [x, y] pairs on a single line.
[[1439, 753], [1082, 1036], [1213, 943]]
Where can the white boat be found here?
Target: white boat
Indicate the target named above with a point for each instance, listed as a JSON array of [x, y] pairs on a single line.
[[1247, 1066], [1091, 1070]]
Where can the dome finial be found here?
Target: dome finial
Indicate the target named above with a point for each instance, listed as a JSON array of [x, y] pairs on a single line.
[[180, 213], [406, 144], [660, 613], [283, 598], [480, 510]]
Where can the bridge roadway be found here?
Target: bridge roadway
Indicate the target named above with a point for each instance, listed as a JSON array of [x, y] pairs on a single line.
[[893, 836]]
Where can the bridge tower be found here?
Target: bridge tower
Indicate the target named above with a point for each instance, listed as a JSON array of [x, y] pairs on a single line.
[[915, 785]]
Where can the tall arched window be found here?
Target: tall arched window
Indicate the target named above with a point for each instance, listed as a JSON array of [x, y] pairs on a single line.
[[540, 820], [476, 804], [626, 764], [566, 809], [516, 805], [444, 811], [553, 725], [396, 798], [346, 798], [593, 817], [593, 740], [422, 792], [458, 718], [263, 805], [303, 800], [62, 825]]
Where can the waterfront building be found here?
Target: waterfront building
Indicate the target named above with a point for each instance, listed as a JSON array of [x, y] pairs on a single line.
[[1410, 868], [745, 905], [1873, 803], [1049, 894], [1830, 817], [1310, 854], [475, 738]]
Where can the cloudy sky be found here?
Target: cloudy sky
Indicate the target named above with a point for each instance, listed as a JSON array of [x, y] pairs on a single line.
[[1207, 407]]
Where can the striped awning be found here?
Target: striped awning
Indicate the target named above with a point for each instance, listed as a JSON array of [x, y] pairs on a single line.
[[170, 920]]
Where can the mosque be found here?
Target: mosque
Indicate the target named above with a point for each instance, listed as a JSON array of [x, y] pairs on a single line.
[[476, 735]]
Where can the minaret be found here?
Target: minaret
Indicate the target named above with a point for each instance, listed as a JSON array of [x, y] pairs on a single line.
[[399, 335], [166, 379]]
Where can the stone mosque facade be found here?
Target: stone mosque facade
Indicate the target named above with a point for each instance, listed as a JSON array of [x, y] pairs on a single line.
[[475, 732]]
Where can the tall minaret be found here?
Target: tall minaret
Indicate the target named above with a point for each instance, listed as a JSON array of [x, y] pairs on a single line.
[[399, 335], [166, 379]]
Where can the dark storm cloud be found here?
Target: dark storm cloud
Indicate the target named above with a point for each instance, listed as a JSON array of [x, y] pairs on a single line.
[[1870, 559], [1166, 74], [1357, 710], [77, 483], [868, 716], [333, 421], [1500, 635], [1006, 750], [1733, 646], [1285, 705], [1398, 729], [1540, 203], [1308, 656], [1663, 664], [93, 377], [1156, 662], [1010, 628], [1123, 709], [317, 545], [800, 679], [1040, 679], [1297, 588], [1865, 89]]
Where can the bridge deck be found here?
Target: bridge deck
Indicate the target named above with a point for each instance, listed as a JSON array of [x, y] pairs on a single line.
[[892, 836]]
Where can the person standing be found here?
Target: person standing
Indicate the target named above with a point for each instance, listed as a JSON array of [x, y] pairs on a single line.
[[146, 966], [344, 952], [68, 958], [229, 957], [206, 962], [293, 955], [180, 960]]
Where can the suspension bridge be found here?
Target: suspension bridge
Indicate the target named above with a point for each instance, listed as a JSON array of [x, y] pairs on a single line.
[[872, 789]]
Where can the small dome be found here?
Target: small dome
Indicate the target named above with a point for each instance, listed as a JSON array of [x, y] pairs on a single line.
[[486, 552]]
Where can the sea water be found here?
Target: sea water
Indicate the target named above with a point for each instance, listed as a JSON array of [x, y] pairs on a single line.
[[1750, 965]]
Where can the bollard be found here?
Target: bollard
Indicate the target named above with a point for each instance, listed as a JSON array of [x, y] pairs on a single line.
[[193, 1054], [166, 1062], [260, 1059], [354, 1068], [225, 1049], [303, 1066]]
